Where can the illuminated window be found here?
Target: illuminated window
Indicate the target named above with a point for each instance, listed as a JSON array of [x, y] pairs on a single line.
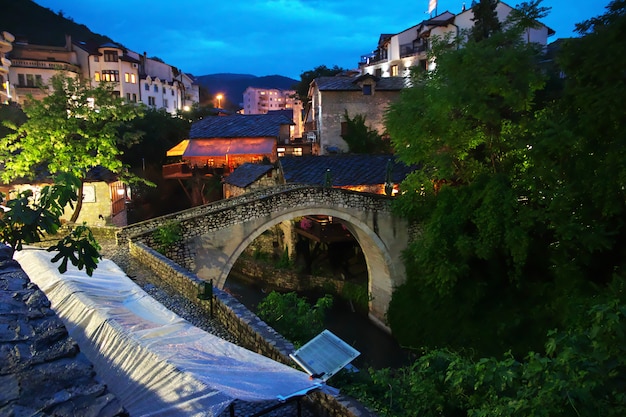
[[110, 56], [281, 152], [133, 79], [127, 77], [394, 70], [110, 75], [297, 151], [96, 76]]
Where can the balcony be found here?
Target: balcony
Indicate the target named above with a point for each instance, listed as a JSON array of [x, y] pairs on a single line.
[[46, 65], [411, 50], [185, 170]]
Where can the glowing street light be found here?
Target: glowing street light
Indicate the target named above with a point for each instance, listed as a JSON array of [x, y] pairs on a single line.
[[219, 98]]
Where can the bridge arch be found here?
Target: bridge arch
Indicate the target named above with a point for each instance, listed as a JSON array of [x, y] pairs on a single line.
[[216, 235], [378, 259]]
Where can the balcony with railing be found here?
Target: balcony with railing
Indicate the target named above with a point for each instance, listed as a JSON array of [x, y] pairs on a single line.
[[410, 49], [47, 65]]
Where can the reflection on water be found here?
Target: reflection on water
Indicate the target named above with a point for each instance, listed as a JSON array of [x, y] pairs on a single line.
[[378, 349]]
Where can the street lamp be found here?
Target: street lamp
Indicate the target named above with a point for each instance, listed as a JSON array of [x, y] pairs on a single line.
[[219, 98]]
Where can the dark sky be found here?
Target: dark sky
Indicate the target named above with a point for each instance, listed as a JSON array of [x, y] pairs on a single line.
[[267, 37]]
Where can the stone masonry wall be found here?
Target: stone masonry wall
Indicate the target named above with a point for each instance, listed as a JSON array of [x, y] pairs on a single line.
[[42, 371], [250, 331]]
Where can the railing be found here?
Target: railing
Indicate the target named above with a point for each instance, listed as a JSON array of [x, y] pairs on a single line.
[[53, 65], [409, 49], [323, 229]]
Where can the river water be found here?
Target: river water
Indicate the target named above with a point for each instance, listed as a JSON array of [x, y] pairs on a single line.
[[378, 349]]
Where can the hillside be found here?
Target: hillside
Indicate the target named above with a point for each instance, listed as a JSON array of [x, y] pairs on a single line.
[[43, 26], [233, 85], [46, 27]]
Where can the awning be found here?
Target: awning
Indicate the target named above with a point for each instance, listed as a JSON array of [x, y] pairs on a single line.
[[154, 361], [223, 146]]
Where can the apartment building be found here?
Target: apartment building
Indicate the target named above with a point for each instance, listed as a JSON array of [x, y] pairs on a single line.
[[6, 46], [396, 54], [136, 78], [263, 100]]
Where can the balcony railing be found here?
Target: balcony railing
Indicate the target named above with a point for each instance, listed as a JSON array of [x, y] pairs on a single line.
[[51, 65]]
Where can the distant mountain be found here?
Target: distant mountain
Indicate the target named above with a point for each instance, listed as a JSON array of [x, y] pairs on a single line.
[[233, 85], [41, 26]]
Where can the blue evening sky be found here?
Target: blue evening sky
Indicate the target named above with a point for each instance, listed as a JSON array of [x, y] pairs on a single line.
[[266, 37]]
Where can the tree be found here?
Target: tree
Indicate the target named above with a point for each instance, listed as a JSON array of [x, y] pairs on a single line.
[[361, 138], [72, 130], [485, 20], [466, 124], [27, 218], [302, 88]]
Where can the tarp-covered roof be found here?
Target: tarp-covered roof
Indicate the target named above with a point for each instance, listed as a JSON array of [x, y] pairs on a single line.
[[154, 361], [239, 125], [222, 146]]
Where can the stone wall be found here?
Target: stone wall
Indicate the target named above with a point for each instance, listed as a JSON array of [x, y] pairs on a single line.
[[250, 331], [42, 371]]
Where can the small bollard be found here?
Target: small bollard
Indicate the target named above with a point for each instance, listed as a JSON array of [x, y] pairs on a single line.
[[206, 293]]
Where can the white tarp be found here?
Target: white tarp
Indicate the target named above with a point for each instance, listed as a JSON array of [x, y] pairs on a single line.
[[157, 363]]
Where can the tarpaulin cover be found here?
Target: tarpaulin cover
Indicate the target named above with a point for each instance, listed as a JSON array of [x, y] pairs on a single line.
[[157, 363]]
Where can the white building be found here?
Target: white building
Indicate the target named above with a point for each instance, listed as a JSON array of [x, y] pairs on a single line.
[[397, 53], [136, 78], [6, 46]]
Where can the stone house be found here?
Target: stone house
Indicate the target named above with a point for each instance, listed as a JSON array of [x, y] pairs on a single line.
[[249, 177], [330, 99]]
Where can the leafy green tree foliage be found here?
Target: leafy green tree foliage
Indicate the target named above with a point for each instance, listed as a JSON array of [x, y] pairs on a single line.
[[27, 218], [361, 138], [302, 88], [520, 205], [72, 130], [485, 20], [293, 316], [580, 373]]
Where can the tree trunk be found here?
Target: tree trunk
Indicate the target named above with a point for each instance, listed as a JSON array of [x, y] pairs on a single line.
[[79, 204]]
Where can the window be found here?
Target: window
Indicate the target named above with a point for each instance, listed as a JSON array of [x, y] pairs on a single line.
[[126, 77], [394, 70], [146, 87], [96, 58], [367, 89], [96, 76], [151, 101], [378, 72], [165, 103], [297, 151], [110, 56], [128, 97], [20, 80], [134, 98], [156, 88], [172, 90], [110, 75], [133, 79], [30, 80], [281, 152]]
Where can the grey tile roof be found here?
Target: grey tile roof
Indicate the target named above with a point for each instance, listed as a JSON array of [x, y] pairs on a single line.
[[351, 83], [344, 169], [238, 126], [246, 174]]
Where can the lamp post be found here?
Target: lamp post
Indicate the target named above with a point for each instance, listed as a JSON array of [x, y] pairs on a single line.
[[219, 98]]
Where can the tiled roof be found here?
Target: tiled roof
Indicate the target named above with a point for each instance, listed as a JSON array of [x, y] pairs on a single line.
[[351, 83], [246, 174], [345, 170], [238, 126]]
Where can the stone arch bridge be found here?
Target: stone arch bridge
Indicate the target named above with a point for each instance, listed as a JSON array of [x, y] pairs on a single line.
[[215, 235]]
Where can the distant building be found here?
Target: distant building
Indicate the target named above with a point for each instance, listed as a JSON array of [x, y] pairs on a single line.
[[6, 46], [264, 100]]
